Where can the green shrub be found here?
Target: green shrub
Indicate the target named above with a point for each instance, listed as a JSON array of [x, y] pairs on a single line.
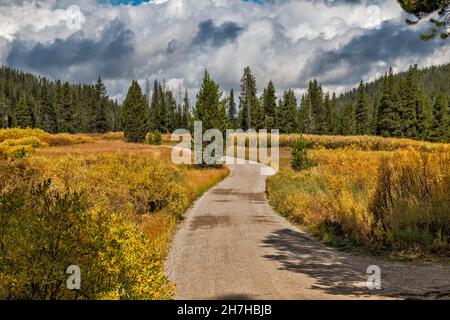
[[153, 138], [299, 156]]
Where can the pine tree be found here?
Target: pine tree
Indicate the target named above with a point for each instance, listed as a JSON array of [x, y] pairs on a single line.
[[425, 118], [48, 120], [210, 109], [317, 120], [135, 114], [269, 103], [348, 119], [248, 100], [23, 114], [441, 127], [326, 109], [333, 116], [101, 104], [288, 113], [187, 112], [305, 115], [410, 101], [4, 112], [362, 112], [389, 117], [232, 111], [66, 110]]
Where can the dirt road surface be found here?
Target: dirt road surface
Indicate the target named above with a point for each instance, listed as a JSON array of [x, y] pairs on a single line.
[[233, 245]]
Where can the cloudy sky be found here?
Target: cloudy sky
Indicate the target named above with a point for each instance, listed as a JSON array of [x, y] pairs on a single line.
[[339, 42]]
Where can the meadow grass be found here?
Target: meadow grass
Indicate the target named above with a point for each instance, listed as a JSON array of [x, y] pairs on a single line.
[[109, 206], [384, 202]]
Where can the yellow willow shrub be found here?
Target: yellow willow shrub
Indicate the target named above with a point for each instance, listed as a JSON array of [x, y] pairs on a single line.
[[18, 148], [112, 136], [122, 182], [44, 229], [16, 133], [379, 200], [412, 199], [368, 143]]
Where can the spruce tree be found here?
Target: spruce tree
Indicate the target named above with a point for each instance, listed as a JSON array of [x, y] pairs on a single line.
[[48, 120], [348, 119], [333, 116], [101, 124], [441, 127], [326, 108], [66, 110], [362, 112], [248, 100], [209, 108], [410, 103], [269, 103], [425, 118], [305, 115], [288, 113], [389, 117], [23, 115], [135, 114], [317, 120], [232, 111], [187, 111]]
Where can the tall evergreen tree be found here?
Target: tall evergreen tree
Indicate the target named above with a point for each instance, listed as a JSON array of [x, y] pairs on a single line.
[[410, 103], [288, 113], [348, 119], [135, 114], [48, 121], [66, 110], [318, 116], [425, 118], [441, 127], [305, 115], [187, 111], [333, 116], [101, 124], [362, 112], [248, 101], [269, 103], [389, 116], [232, 111], [210, 108], [23, 114]]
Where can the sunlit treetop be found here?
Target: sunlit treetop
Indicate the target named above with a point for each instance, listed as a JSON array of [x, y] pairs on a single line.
[[422, 9]]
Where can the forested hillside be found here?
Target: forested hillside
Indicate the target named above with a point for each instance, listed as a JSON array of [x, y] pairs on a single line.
[[36, 102], [413, 104]]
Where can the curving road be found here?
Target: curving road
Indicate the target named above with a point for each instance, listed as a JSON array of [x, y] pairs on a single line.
[[232, 245]]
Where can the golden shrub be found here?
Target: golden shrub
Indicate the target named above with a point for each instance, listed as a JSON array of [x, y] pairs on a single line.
[[379, 200]]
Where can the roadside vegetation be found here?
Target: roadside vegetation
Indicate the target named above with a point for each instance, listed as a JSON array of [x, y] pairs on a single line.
[[94, 201], [384, 196]]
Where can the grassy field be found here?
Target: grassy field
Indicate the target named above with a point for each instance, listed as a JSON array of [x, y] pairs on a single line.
[[383, 196], [108, 206]]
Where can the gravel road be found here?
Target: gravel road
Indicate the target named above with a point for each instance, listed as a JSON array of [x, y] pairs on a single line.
[[233, 245]]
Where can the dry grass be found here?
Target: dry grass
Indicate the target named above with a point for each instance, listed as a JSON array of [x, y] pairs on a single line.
[[108, 168], [135, 182], [384, 201]]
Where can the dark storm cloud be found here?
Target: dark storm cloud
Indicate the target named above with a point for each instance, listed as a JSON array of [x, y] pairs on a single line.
[[217, 36], [359, 56], [106, 56], [172, 46]]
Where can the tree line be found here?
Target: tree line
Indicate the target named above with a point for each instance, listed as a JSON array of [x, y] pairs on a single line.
[[401, 108], [413, 104], [36, 102]]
